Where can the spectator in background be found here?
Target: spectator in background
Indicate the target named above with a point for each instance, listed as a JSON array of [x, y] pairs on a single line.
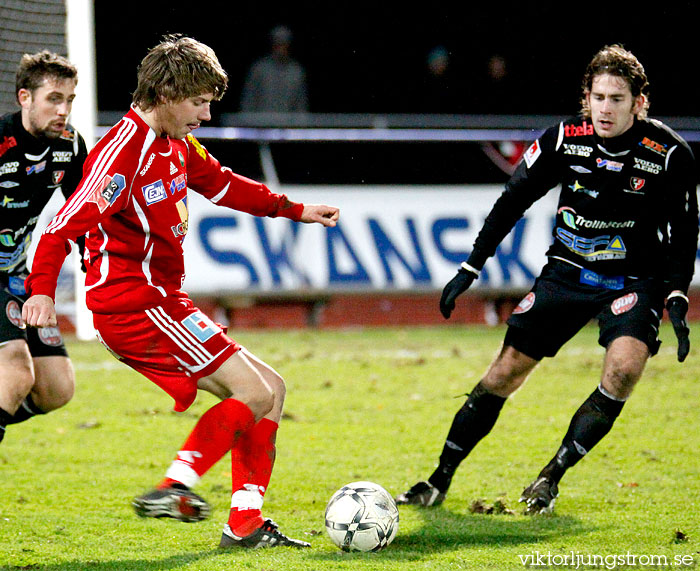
[[276, 82], [495, 93], [438, 90]]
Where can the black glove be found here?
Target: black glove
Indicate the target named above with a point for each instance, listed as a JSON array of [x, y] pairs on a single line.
[[80, 241], [455, 287], [677, 307]]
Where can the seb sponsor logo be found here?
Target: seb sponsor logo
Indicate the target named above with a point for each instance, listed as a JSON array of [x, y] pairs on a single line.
[[578, 130], [624, 304]]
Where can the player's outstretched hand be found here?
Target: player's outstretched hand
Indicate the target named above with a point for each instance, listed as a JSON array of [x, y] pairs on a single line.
[[455, 287], [326, 215], [677, 307], [39, 311]]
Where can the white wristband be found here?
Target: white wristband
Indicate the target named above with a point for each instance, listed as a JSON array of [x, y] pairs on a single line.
[[469, 268], [678, 294]]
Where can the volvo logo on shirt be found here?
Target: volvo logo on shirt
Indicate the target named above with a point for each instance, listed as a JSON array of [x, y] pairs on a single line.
[[8, 168], [154, 192], [62, 156], [647, 166], [577, 150]]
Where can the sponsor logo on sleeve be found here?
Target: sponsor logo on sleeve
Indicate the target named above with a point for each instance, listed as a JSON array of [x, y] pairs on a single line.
[[532, 154], [107, 192], [201, 151]]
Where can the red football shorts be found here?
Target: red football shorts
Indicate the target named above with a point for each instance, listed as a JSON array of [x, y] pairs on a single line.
[[173, 345]]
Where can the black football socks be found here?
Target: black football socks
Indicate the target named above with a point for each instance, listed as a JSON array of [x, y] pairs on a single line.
[[591, 422], [25, 411], [471, 423]]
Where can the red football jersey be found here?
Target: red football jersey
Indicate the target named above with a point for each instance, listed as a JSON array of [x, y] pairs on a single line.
[[132, 204]]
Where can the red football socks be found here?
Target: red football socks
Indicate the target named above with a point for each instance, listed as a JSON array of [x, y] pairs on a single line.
[[252, 460], [214, 434]]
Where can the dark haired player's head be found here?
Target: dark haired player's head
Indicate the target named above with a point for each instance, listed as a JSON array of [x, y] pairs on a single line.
[[45, 88]]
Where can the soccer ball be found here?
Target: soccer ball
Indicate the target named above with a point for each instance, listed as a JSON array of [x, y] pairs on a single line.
[[362, 516]]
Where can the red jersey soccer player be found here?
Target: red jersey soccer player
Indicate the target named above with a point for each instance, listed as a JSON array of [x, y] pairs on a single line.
[[132, 203]]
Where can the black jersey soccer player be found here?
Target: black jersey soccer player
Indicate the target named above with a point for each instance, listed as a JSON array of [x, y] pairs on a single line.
[[624, 245], [39, 153]]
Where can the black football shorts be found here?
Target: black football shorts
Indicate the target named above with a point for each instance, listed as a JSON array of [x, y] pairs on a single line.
[[565, 298], [42, 341]]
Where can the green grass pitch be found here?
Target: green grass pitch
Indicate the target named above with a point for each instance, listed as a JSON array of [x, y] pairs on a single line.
[[371, 404]]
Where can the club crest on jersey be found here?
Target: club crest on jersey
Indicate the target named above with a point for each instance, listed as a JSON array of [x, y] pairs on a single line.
[[154, 192], [57, 176], [108, 191], [637, 183], [200, 326]]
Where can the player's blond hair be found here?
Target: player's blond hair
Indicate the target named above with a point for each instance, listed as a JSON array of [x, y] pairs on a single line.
[[177, 68]]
